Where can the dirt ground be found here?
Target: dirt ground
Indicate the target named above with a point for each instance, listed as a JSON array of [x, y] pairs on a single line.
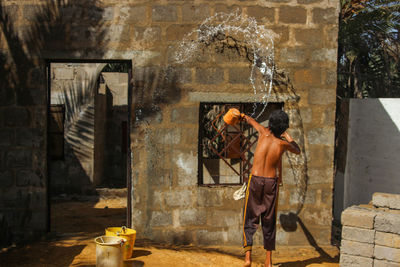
[[75, 224]]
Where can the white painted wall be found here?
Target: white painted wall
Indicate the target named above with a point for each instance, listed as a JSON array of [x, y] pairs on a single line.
[[373, 151]]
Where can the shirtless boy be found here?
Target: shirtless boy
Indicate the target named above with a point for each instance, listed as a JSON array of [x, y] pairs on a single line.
[[262, 188]]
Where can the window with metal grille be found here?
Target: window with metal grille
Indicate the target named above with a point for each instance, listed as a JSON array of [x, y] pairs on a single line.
[[226, 151]]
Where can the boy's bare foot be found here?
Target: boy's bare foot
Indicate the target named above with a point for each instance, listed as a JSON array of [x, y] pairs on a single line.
[[247, 259]]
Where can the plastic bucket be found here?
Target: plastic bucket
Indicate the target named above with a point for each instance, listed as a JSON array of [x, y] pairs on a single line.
[[127, 233], [232, 116], [109, 251]]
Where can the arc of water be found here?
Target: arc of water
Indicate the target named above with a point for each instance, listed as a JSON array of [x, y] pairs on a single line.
[[256, 37]]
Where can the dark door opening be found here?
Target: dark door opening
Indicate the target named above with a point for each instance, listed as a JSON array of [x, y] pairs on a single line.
[[89, 176]]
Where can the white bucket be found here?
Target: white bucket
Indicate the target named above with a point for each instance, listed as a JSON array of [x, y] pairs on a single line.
[[109, 251]]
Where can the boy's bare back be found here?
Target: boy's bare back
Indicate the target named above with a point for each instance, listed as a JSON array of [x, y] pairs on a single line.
[[269, 150]]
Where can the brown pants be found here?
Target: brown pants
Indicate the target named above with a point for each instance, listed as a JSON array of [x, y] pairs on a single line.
[[260, 201]]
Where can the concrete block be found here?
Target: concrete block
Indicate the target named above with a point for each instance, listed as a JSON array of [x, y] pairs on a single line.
[[186, 170], [147, 34], [19, 158], [30, 138], [239, 75], [355, 261], [383, 200], [310, 76], [321, 136], [387, 240], [324, 15], [133, 14], [282, 237], [224, 218], [218, 8], [282, 32], [309, 37], [261, 14], [28, 177], [330, 78], [190, 135], [209, 75], [179, 75], [292, 14], [167, 136], [310, 197], [358, 217], [386, 253], [177, 32], [292, 55], [319, 96], [320, 176], [195, 12], [387, 222], [188, 115], [357, 248], [6, 137], [324, 55], [189, 217], [317, 216], [17, 117], [6, 178], [207, 237], [117, 33], [383, 263], [210, 197], [358, 234], [164, 13], [178, 198], [160, 218]]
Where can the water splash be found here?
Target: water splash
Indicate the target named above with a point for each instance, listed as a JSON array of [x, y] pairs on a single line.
[[243, 33], [255, 42]]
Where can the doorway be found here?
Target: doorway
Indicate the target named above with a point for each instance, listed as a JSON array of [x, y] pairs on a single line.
[[89, 107]]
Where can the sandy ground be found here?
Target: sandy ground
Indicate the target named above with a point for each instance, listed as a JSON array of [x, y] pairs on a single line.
[[75, 224]]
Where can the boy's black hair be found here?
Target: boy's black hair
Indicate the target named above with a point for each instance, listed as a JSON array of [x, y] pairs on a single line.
[[278, 122]]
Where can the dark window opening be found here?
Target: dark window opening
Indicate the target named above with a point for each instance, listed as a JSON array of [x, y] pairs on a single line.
[[226, 151]]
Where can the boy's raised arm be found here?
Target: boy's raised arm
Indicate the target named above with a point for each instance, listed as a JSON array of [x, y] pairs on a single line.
[[291, 145], [252, 122]]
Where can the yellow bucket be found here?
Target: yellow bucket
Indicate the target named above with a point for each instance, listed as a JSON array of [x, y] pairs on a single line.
[[127, 233]]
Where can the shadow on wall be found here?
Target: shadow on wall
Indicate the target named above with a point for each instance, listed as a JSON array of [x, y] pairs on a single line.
[[154, 87], [51, 28]]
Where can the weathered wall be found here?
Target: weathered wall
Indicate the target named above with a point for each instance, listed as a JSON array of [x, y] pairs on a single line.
[[167, 203], [373, 149]]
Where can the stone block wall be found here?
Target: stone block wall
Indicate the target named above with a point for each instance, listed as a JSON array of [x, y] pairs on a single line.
[[371, 233], [168, 204]]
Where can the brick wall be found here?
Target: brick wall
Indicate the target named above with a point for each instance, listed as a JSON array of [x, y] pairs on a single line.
[[168, 204]]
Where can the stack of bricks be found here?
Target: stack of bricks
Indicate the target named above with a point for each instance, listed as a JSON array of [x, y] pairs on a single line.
[[371, 233]]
